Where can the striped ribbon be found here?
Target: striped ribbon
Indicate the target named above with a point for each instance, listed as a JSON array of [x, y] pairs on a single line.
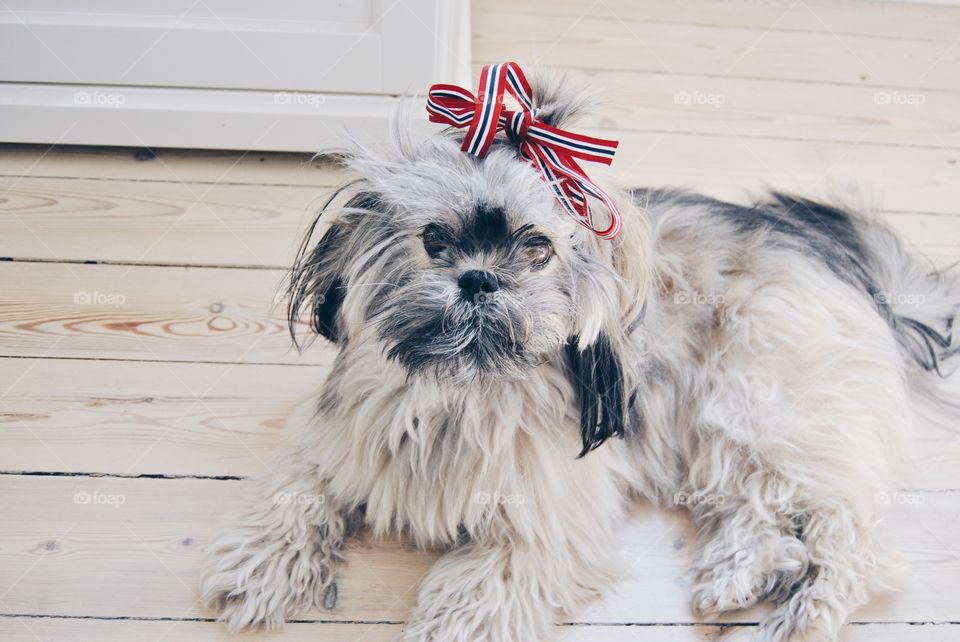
[[553, 152]]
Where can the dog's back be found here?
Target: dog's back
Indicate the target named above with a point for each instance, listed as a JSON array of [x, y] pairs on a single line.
[[920, 302]]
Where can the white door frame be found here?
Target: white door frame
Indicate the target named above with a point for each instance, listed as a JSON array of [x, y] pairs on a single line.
[[67, 94]]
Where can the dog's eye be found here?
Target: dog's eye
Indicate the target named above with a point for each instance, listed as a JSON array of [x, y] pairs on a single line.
[[433, 241], [538, 251]]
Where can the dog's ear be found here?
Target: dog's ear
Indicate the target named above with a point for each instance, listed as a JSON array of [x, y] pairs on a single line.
[[317, 279], [601, 357], [597, 373]]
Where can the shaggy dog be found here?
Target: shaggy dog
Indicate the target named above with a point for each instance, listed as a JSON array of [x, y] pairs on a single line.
[[490, 347]]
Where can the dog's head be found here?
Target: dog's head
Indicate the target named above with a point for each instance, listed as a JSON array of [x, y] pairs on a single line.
[[466, 270]]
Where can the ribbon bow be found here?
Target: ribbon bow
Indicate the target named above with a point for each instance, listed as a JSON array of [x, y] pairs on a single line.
[[554, 152]]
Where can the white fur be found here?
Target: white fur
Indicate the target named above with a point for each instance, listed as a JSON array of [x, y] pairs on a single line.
[[763, 379]]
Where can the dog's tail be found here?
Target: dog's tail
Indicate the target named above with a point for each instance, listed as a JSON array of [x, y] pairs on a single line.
[[922, 305], [921, 302]]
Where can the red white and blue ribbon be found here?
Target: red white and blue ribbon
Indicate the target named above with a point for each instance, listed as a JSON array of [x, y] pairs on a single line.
[[552, 151]]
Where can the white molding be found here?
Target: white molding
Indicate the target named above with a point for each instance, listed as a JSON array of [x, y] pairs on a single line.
[[148, 52], [454, 37], [183, 95], [194, 118]]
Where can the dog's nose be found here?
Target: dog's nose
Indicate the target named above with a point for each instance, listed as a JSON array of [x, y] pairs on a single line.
[[473, 282]]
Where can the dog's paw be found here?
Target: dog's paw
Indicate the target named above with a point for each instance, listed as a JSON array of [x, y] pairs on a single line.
[[460, 623], [729, 587], [256, 582], [463, 626], [806, 616], [467, 607], [783, 626], [738, 580]]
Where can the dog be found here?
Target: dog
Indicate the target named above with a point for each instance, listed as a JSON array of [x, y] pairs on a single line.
[[491, 346]]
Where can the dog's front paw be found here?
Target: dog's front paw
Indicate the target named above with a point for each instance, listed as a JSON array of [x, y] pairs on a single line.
[[740, 579], [458, 604], [466, 625], [254, 581], [812, 613], [729, 587], [455, 621]]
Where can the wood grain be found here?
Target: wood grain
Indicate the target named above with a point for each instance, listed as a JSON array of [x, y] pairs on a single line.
[[155, 222], [753, 108], [261, 226], [168, 165], [134, 418], [21, 629], [144, 313], [100, 538], [886, 20], [599, 38], [150, 313], [890, 178]]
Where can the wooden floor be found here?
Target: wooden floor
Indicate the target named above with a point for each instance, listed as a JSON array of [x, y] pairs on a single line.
[[145, 370]]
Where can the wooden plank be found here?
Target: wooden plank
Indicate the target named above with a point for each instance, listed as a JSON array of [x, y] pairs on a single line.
[[915, 179], [893, 20], [927, 234], [155, 222], [135, 418], [144, 313], [898, 178], [749, 108], [239, 225], [905, 179], [149, 313], [21, 629], [85, 545], [604, 40], [169, 165]]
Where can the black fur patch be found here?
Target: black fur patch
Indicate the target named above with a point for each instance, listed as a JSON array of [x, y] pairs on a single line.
[[598, 379], [927, 346], [826, 232], [326, 309], [830, 235], [315, 281], [422, 342], [486, 229]]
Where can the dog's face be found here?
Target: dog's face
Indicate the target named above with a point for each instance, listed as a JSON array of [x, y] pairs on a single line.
[[461, 268], [465, 270]]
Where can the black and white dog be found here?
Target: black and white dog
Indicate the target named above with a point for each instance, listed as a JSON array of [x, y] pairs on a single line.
[[768, 355]]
